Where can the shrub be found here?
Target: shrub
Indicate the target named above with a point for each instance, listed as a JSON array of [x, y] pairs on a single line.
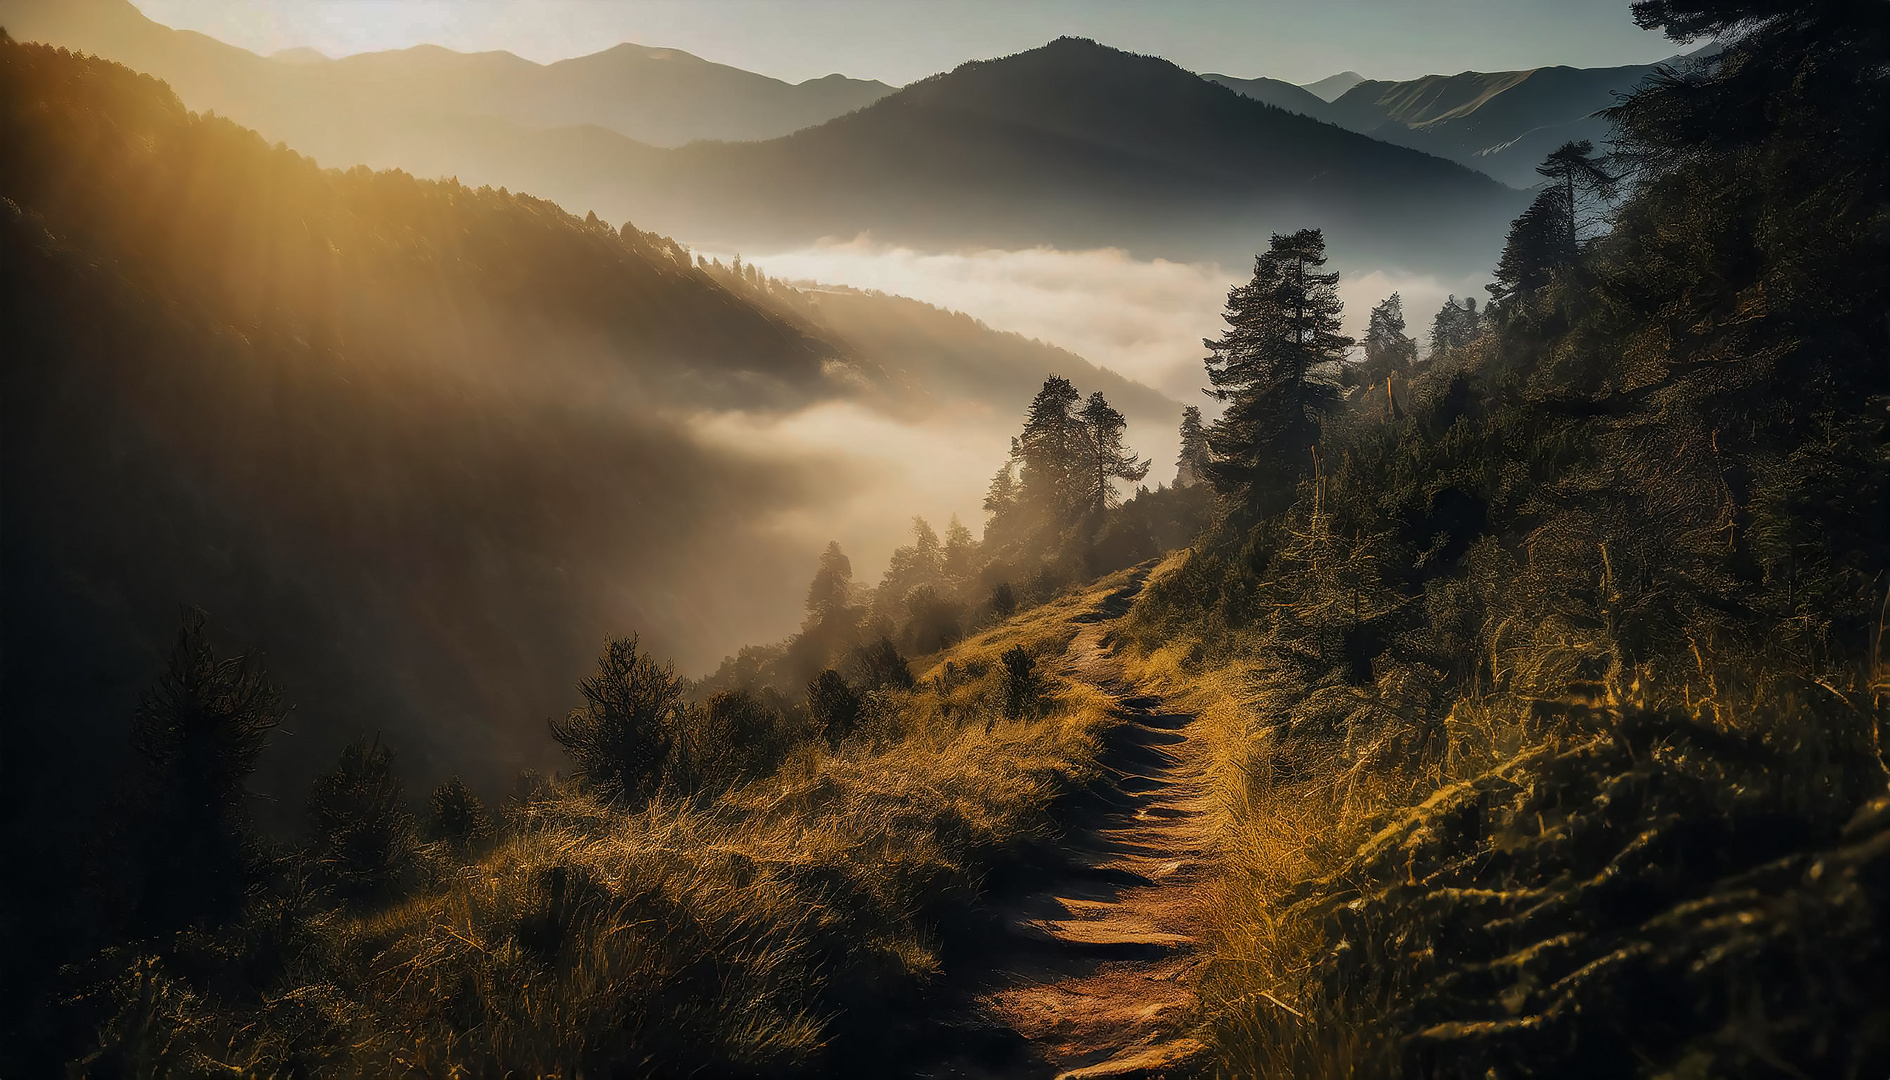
[[620, 739], [879, 666], [199, 731], [457, 818], [1004, 600], [1021, 690], [833, 707], [362, 838]]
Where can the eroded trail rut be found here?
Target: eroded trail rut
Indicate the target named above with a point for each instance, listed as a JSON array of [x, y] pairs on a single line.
[[1088, 975]]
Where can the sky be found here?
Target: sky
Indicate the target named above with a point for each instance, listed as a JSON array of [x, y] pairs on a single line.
[[898, 41]]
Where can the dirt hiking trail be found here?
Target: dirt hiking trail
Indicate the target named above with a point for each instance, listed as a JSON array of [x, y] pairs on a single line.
[[1088, 973]]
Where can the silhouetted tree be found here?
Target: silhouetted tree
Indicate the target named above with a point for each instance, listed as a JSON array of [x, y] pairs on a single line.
[[198, 732], [961, 551], [730, 739], [1002, 519], [878, 666], [1004, 600], [361, 837], [833, 707], [1191, 467], [1388, 349], [832, 588], [1456, 324], [1021, 690], [1548, 236], [1538, 245], [621, 736], [1276, 367], [457, 818], [1102, 458], [1584, 186], [1049, 453]]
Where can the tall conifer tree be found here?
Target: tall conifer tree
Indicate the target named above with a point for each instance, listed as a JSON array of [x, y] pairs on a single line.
[[1275, 366], [1103, 457], [1191, 467]]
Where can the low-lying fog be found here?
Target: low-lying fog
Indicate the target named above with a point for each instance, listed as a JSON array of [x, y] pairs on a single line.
[[1143, 319]]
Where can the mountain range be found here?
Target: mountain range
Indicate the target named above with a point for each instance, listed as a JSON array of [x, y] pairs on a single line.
[[1073, 145], [353, 110], [424, 444], [1501, 123]]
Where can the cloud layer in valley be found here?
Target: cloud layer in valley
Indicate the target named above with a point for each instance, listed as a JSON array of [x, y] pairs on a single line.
[[1143, 319]]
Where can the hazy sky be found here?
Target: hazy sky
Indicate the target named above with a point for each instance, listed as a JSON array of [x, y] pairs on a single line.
[[901, 40]]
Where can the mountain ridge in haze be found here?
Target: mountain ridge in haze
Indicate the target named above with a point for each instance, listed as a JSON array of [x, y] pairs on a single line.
[[1332, 86], [1071, 145], [664, 97], [425, 444], [1501, 123]]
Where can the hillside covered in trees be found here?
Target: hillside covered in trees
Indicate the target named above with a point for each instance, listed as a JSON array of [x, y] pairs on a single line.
[[1520, 702]]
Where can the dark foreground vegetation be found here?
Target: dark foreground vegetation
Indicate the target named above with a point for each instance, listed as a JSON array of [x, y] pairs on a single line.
[[1550, 683], [1544, 677]]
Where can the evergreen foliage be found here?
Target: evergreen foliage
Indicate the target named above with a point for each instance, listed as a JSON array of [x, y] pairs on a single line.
[[1276, 366], [457, 818], [621, 736], [833, 706], [1102, 458], [362, 837], [1455, 325], [1581, 652], [198, 733], [1389, 351], [1020, 682], [1191, 467]]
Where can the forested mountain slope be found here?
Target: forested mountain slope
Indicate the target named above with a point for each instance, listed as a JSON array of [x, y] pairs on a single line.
[[363, 419], [1074, 145], [1550, 692], [361, 109], [1500, 123]]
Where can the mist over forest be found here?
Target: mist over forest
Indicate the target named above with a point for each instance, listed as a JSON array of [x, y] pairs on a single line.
[[1069, 567]]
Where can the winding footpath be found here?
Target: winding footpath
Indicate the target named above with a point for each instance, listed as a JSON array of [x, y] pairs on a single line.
[[1090, 977]]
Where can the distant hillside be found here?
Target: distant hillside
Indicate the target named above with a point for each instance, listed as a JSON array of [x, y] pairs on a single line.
[[1283, 95], [1500, 123], [1330, 87], [349, 111], [927, 356], [1073, 145], [426, 445]]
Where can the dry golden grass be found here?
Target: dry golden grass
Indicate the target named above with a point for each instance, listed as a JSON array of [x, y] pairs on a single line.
[[785, 925]]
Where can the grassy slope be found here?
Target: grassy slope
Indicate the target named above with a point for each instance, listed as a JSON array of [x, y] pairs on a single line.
[[793, 923]]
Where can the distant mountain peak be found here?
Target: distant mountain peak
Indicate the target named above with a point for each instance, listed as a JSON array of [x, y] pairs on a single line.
[[1330, 87]]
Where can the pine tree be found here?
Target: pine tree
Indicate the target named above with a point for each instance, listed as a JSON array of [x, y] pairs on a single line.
[[1102, 458], [1276, 367], [1191, 467], [832, 588], [1049, 453], [1388, 349], [456, 817], [1536, 248], [362, 836], [199, 731], [1456, 324], [619, 739], [961, 551]]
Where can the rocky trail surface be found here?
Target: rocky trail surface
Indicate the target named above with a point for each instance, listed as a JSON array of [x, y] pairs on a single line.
[[1086, 969]]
